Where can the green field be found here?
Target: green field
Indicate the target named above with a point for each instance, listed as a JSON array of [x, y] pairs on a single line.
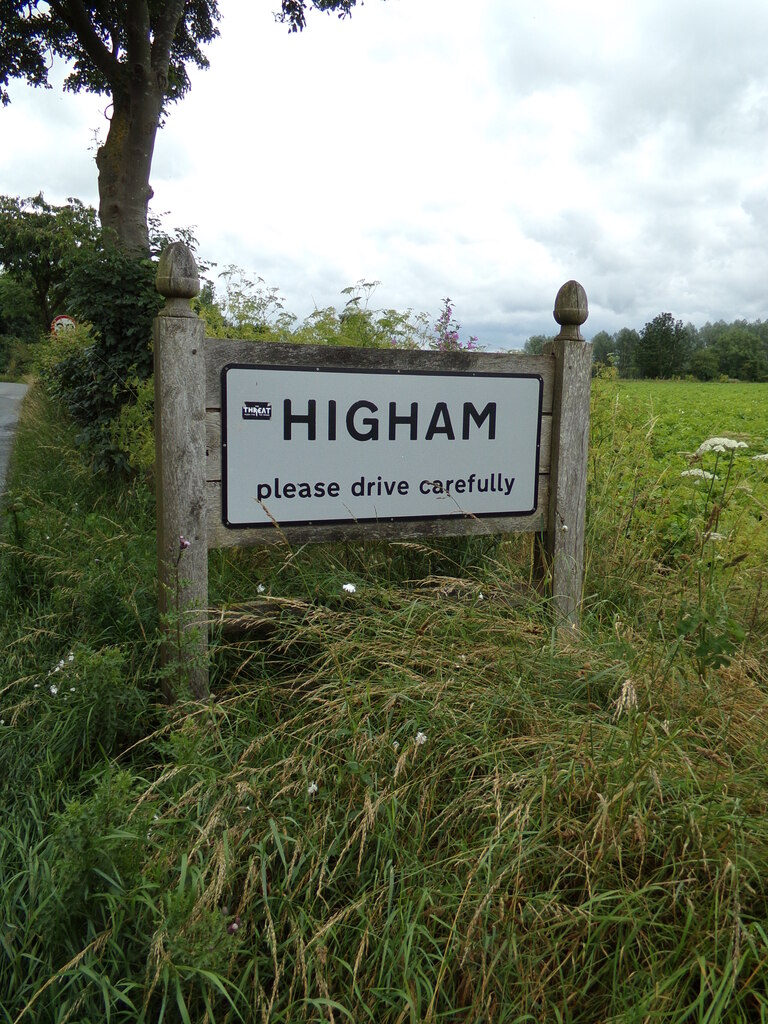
[[679, 415], [410, 803]]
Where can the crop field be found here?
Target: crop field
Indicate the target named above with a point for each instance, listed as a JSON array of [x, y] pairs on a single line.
[[668, 513], [411, 799], [677, 416]]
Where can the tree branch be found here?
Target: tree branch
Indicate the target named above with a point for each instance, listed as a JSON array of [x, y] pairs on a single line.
[[165, 30], [137, 32], [110, 26], [74, 14]]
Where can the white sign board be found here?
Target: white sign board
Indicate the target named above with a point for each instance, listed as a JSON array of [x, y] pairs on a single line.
[[308, 445]]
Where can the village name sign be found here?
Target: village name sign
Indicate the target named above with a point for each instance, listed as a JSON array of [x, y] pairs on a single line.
[[264, 443]]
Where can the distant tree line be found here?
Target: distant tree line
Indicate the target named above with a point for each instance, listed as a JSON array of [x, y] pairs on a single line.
[[667, 348]]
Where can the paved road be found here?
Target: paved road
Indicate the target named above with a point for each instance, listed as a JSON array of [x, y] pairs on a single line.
[[10, 403]]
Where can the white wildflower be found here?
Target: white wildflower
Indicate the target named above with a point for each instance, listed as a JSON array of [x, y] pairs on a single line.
[[716, 536], [54, 689], [260, 589], [62, 664], [312, 789], [350, 588], [2, 721], [720, 444], [481, 596], [700, 474], [627, 699], [71, 689], [760, 458], [421, 738], [665, 726]]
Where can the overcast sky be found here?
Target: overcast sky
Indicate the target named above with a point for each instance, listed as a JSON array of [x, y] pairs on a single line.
[[487, 150]]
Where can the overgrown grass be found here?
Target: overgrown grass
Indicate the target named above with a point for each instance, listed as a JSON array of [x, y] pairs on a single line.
[[411, 802]]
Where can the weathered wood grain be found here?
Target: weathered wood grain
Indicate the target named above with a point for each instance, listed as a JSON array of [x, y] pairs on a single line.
[[568, 473], [220, 353], [180, 489]]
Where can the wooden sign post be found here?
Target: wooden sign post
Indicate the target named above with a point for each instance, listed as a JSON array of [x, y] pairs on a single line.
[[262, 442], [182, 547]]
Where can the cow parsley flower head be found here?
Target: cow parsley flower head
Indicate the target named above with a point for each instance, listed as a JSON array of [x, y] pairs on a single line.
[[349, 588], [699, 474], [720, 444], [53, 689], [421, 738], [760, 458]]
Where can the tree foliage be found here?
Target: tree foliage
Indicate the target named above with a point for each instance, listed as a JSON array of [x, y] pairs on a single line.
[[535, 344], [626, 342], [667, 348], [137, 53], [38, 242], [663, 347], [56, 259], [602, 347], [293, 12], [739, 352], [18, 314], [102, 42], [113, 292], [704, 364]]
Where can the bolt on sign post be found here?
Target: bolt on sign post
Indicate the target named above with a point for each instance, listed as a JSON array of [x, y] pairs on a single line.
[[259, 443]]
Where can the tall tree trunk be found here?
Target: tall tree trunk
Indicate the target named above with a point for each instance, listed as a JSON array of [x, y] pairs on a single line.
[[125, 159]]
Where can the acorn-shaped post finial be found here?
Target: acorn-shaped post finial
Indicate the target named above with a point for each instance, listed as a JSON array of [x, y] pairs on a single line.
[[571, 310], [177, 279]]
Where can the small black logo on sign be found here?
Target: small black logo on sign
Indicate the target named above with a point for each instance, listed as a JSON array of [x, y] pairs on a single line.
[[257, 410]]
